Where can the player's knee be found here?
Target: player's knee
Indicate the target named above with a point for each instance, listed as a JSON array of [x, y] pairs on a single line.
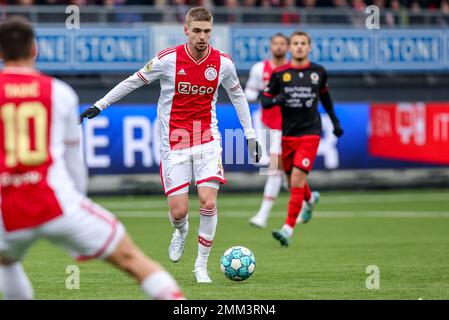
[[179, 211], [298, 178], [125, 254], [208, 204], [297, 183], [126, 259]]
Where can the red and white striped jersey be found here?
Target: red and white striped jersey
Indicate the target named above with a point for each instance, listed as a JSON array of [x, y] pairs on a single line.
[[38, 118], [189, 90], [259, 77]]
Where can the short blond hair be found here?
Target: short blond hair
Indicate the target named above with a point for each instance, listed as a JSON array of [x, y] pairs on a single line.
[[199, 14]]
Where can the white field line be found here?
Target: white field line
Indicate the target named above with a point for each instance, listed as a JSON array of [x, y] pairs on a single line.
[[142, 203], [318, 214]]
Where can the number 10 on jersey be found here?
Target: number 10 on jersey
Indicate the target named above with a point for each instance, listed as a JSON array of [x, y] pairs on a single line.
[[25, 133]]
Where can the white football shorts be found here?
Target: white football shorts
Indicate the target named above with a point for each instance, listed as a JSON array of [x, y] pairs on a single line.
[[88, 231], [202, 162]]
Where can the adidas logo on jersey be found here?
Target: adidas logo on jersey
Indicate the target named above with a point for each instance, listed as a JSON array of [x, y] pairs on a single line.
[[182, 72]]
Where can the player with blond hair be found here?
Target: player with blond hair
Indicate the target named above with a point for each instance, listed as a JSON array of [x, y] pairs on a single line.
[[190, 142]]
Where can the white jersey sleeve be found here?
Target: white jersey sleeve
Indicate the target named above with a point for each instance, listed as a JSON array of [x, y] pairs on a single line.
[[235, 92], [255, 84], [66, 100], [152, 71]]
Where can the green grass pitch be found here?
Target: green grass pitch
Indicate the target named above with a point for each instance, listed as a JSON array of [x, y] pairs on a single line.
[[404, 233]]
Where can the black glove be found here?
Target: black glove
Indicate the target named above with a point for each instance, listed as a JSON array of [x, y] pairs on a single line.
[[90, 113], [268, 102], [338, 131], [279, 100], [255, 150]]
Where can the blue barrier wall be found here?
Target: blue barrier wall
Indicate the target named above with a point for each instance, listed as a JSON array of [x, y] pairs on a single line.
[[89, 50], [123, 140]]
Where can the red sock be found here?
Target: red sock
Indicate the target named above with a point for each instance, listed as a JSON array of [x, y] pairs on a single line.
[[294, 205], [307, 192]]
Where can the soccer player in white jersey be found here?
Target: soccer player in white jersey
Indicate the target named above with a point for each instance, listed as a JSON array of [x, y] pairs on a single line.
[[189, 138], [271, 120], [43, 180]]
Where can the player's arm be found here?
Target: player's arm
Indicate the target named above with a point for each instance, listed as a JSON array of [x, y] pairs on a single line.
[[151, 71], [67, 99], [272, 95], [252, 87], [235, 92], [328, 105], [74, 161]]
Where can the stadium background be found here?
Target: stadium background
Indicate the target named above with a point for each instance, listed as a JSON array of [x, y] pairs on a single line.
[[389, 85]]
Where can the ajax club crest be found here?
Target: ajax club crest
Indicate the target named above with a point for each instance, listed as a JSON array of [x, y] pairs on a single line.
[[210, 74]]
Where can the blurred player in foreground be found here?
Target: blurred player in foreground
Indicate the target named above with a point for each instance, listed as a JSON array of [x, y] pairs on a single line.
[[296, 87], [271, 118], [43, 179], [189, 138]]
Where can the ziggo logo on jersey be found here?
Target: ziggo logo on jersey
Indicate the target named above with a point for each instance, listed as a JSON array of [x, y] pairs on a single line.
[[188, 88]]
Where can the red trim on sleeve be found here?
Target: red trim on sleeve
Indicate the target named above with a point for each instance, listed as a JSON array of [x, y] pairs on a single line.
[[164, 52], [72, 142], [266, 94], [235, 88], [324, 90], [142, 77]]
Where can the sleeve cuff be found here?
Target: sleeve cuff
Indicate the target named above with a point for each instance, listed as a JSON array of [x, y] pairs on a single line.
[[100, 105], [250, 133]]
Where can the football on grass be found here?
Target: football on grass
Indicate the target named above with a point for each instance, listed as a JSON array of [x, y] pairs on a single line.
[[238, 263]]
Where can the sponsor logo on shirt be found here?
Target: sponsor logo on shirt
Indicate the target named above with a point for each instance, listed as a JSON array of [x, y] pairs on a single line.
[[188, 88], [18, 180]]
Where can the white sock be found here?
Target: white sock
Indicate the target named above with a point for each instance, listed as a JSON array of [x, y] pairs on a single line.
[[206, 233], [182, 225], [270, 193], [160, 285], [14, 283], [288, 229]]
